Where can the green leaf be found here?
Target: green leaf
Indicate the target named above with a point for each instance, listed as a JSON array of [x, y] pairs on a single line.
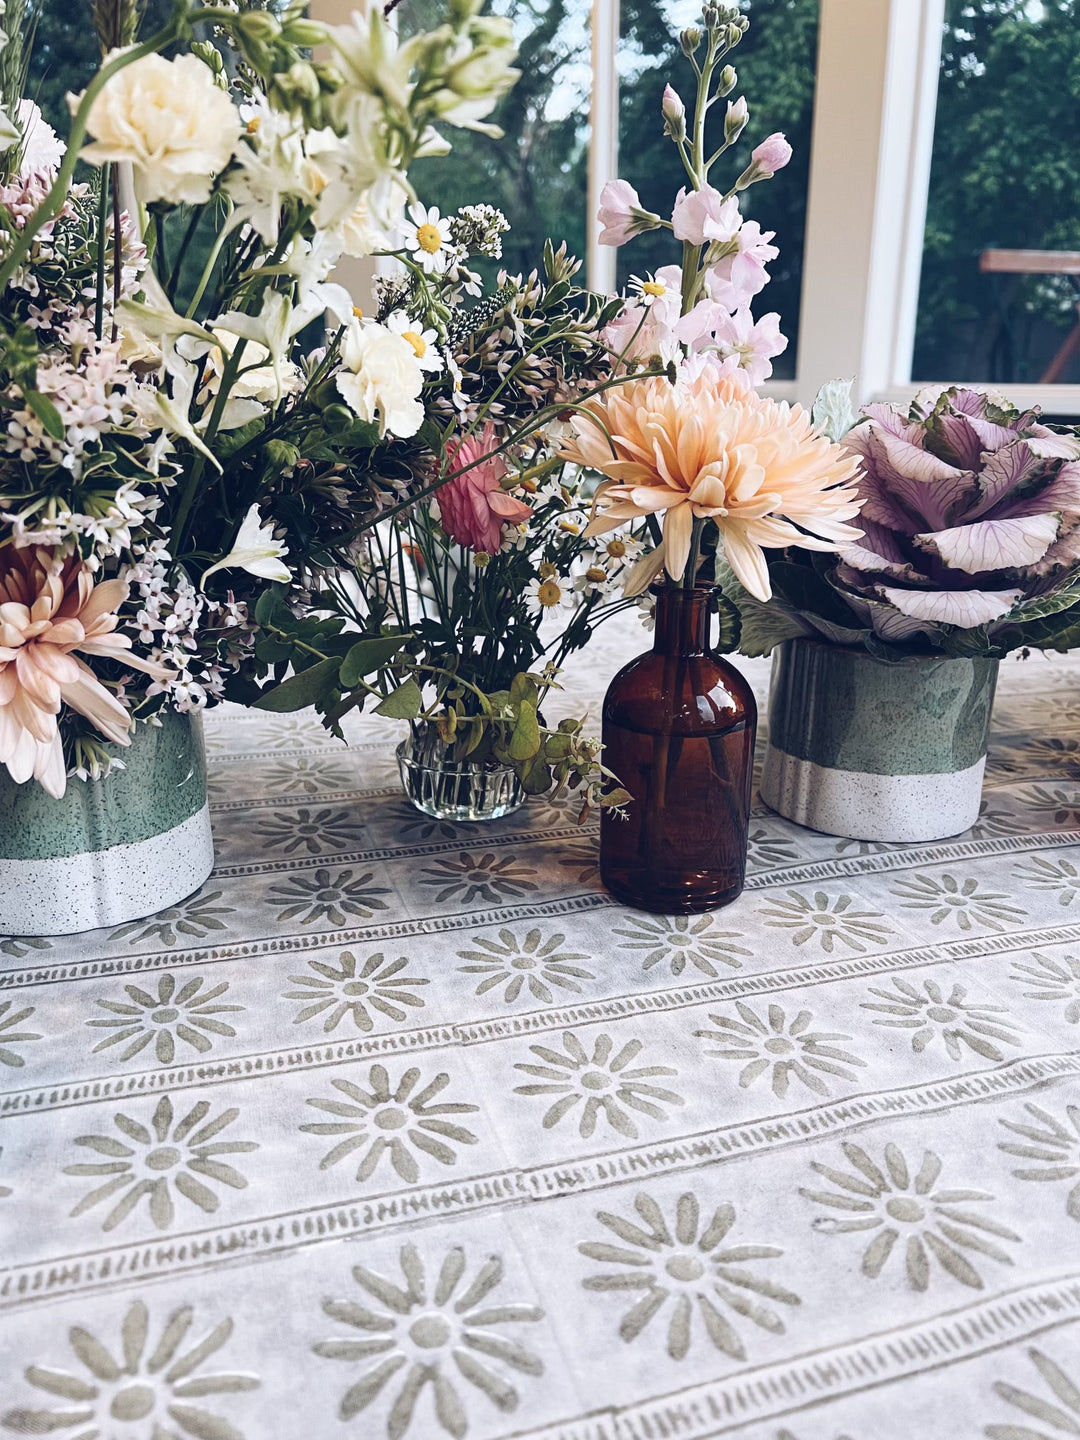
[[269, 606], [525, 740], [730, 625], [369, 655], [303, 689], [535, 777], [404, 703], [523, 688], [46, 412]]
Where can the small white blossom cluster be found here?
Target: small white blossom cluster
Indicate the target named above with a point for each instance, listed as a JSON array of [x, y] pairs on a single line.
[[171, 615]]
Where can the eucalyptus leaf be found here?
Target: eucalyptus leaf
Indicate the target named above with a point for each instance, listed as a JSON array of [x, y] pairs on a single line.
[[404, 703], [833, 413], [367, 656], [305, 688], [525, 739]]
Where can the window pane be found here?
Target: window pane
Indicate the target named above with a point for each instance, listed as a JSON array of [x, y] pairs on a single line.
[[537, 174], [775, 63], [1005, 174]]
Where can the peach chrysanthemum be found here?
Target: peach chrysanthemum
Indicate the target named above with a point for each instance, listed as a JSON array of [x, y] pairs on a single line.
[[709, 448], [49, 609]]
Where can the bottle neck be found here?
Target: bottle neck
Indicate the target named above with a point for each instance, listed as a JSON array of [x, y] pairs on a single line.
[[682, 620]]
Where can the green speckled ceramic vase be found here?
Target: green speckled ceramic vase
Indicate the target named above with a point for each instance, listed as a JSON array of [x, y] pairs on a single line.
[[874, 750], [109, 850]]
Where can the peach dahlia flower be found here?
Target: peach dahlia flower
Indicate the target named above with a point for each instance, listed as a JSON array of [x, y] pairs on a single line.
[[49, 609], [709, 448]]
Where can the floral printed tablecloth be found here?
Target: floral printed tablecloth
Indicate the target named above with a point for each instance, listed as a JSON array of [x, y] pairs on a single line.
[[404, 1129]]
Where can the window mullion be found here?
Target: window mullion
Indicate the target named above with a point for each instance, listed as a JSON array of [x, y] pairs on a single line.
[[603, 139]]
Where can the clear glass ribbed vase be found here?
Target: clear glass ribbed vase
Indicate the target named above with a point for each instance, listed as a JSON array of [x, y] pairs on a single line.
[[450, 789]]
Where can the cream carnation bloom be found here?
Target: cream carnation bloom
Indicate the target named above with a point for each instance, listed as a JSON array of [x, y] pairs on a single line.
[[709, 448], [382, 379], [168, 118]]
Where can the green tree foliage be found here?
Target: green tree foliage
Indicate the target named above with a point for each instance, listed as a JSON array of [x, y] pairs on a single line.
[[1006, 172]]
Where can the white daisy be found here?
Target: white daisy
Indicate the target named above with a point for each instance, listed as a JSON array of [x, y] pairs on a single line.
[[649, 290], [548, 593], [647, 612], [427, 237], [594, 580], [515, 537], [618, 550], [425, 343]]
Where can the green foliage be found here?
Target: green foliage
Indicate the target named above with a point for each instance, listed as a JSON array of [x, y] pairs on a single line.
[[1005, 173]]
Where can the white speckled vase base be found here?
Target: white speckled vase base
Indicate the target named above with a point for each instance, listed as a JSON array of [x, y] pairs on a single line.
[[862, 806], [64, 895]]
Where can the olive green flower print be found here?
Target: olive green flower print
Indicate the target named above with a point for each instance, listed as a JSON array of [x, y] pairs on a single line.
[[1062, 807], [308, 776], [1057, 877], [830, 922], [150, 1390], [959, 901], [675, 941], [438, 1337], [780, 1047], [408, 822], [929, 1013], [352, 989], [479, 877], [387, 1119], [193, 920], [576, 1078], [1046, 1411], [21, 945], [582, 860], [691, 1266], [898, 1207], [1053, 1145], [154, 1160], [334, 898], [510, 965], [314, 832], [187, 1014], [1055, 980], [10, 1019], [996, 820], [764, 849]]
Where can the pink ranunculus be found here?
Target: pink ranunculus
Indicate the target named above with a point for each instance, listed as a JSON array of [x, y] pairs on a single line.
[[473, 506], [772, 154], [701, 216], [621, 213]]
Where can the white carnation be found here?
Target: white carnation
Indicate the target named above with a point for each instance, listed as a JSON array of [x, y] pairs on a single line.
[[168, 118], [382, 379]]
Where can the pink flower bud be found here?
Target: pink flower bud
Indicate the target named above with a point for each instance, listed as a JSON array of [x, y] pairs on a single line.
[[772, 154], [674, 110], [738, 112]]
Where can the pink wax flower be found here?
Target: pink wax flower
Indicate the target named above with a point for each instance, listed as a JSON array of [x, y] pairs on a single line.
[[701, 216], [772, 154], [473, 507], [621, 214]]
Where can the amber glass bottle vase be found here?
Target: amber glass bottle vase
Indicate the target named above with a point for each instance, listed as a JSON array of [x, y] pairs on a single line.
[[679, 728]]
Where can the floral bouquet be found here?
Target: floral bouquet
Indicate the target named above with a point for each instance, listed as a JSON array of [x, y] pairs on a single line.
[[971, 536], [171, 448], [728, 471]]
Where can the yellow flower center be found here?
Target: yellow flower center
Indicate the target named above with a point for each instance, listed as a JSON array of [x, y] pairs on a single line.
[[616, 549], [429, 238], [481, 559], [569, 527], [253, 124], [653, 287], [358, 312], [596, 573], [547, 570], [416, 341], [549, 593]]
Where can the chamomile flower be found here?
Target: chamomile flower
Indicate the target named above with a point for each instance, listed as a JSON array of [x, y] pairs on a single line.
[[548, 592], [594, 580], [618, 550], [425, 343], [649, 290], [515, 537], [647, 612], [427, 237]]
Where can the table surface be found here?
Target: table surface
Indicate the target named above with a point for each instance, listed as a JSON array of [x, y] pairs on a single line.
[[405, 1129]]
